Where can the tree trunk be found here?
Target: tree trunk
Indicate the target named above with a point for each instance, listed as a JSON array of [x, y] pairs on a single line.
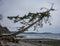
[[21, 31]]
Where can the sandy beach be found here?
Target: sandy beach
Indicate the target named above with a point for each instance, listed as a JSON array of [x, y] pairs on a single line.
[[21, 43], [32, 42]]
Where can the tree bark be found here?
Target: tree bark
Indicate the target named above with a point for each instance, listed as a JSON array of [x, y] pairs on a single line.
[[21, 31]]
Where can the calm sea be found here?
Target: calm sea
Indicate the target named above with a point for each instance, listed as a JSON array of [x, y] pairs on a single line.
[[37, 36]]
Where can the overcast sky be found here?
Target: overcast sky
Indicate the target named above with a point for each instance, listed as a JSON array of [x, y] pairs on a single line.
[[22, 7]]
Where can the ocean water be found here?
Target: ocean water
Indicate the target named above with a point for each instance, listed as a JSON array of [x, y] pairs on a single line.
[[37, 36]]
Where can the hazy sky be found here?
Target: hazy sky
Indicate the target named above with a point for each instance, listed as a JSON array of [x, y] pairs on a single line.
[[22, 7]]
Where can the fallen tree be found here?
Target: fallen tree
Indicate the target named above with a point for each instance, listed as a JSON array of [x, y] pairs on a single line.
[[31, 19]]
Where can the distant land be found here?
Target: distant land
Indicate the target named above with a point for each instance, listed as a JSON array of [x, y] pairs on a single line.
[[37, 33]]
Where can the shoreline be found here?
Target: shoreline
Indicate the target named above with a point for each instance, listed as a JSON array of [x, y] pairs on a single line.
[[42, 39], [43, 42], [35, 42]]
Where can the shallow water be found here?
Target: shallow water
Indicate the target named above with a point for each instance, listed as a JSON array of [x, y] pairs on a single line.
[[50, 36]]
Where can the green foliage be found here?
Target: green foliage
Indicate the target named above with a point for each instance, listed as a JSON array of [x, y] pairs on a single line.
[[32, 17], [1, 17]]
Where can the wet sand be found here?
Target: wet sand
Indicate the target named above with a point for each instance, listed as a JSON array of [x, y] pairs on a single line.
[[32, 42], [42, 42]]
